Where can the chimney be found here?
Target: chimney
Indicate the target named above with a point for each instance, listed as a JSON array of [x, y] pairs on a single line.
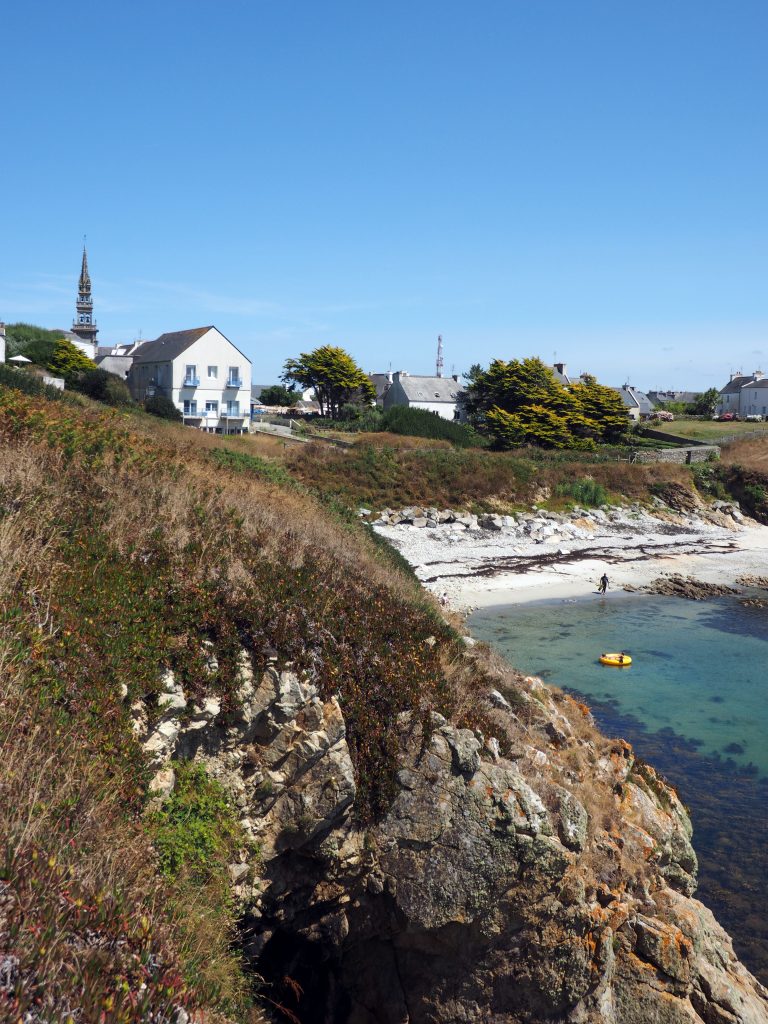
[[561, 368], [758, 374], [456, 377], [738, 373], [389, 376]]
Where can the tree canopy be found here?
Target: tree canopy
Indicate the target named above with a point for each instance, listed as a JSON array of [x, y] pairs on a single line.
[[68, 361], [521, 402], [335, 376], [278, 394]]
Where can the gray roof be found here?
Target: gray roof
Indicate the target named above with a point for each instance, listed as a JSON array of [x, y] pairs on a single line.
[[759, 382], [734, 386], [673, 396], [430, 389], [382, 383], [168, 346], [634, 399]]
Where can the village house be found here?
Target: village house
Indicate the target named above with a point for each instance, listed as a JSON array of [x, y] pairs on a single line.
[[744, 395], [435, 394], [205, 376], [637, 403]]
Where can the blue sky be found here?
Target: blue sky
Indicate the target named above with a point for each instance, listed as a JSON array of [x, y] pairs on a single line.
[[580, 177]]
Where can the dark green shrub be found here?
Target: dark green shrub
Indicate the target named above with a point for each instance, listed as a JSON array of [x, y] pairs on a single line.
[[421, 423], [103, 386], [585, 491], [163, 407]]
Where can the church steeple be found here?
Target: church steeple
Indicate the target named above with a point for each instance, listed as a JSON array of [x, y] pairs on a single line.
[[84, 326]]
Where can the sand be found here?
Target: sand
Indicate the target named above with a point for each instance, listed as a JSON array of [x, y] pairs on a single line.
[[478, 568]]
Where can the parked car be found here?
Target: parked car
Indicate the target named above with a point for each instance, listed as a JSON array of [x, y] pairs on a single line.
[[754, 418], [726, 417]]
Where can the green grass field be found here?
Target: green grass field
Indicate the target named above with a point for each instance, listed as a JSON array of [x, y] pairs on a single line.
[[712, 430]]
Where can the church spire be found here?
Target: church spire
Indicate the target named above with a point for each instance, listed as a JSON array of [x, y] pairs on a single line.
[[84, 286], [84, 325]]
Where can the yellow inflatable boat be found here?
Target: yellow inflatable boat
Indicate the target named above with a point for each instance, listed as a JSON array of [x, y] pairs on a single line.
[[619, 660]]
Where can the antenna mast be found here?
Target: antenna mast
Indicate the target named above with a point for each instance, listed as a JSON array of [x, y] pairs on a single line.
[[439, 372]]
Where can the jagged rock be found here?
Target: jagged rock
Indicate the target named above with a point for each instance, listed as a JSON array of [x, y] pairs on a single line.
[[487, 892]]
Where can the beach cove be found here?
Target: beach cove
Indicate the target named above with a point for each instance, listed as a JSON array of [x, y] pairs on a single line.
[[692, 704]]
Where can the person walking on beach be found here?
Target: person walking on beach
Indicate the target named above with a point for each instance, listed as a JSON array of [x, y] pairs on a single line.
[[603, 584]]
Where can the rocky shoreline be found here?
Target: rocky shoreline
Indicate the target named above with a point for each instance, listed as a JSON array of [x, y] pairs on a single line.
[[535, 554]]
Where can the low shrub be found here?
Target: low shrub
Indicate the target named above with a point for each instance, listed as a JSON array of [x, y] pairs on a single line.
[[159, 405], [420, 423], [585, 492], [27, 383], [104, 387]]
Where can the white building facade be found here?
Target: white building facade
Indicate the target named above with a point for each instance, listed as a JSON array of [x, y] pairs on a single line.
[[206, 377], [743, 395]]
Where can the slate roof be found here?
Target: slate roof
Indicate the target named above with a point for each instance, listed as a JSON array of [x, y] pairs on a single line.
[[674, 396], [734, 386], [382, 383], [761, 382], [634, 399], [168, 346], [430, 389]]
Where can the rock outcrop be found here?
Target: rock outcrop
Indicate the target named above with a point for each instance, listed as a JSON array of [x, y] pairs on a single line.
[[540, 874]]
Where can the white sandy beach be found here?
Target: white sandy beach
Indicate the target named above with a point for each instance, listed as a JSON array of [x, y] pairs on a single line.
[[477, 568]]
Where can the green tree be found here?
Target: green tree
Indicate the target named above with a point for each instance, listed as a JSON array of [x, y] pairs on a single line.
[[602, 407], [278, 394], [68, 361], [705, 403], [335, 376], [522, 402]]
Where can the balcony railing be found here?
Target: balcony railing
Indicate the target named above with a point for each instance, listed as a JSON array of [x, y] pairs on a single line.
[[231, 414], [234, 382], [191, 382]]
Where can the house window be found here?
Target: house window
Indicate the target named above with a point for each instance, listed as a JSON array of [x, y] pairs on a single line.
[[190, 374], [212, 408], [190, 408], [234, 377], [233, 408], [213, 372]]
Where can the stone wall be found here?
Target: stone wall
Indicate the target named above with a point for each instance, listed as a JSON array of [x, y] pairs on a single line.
[[680, 456]]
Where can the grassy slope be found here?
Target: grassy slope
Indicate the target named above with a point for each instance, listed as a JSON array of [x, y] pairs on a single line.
[[382, 475], [123, 544]]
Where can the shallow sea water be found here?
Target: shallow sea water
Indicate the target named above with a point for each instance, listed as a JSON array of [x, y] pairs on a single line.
[[694, 703]]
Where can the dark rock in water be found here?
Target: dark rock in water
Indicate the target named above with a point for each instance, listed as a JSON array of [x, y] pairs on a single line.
[[676, 585], [734, 748]]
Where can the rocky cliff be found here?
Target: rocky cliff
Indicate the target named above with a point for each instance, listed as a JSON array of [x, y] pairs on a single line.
[[538, 874]]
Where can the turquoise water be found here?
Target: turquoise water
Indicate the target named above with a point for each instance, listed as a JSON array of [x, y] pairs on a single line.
[[698, 668], [693, 704]]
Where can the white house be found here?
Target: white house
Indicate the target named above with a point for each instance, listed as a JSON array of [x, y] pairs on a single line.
[[753, 397], [205, 376], [435, 394], [735, 396]]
